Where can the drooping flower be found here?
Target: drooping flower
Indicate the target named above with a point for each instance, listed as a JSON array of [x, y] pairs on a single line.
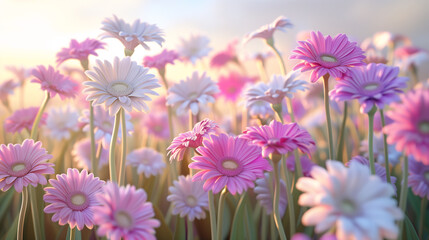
[[194, 48], [373, 85], [54, 82], [188, 198], [231, 162], [132, 35], [279, 138], [191, 93], [79, 50], [6, 89], [72, 198], [358, 204], [61, 122], [418, 178], [147, 161], [306, 164], [230, 86], [23, 119], [121, 85], [265, 196], [159, 61], [156, 125], [410, 127], [23, 164], [223, 57], [124, 213], [326, 55], [82, 154], [266, 32]]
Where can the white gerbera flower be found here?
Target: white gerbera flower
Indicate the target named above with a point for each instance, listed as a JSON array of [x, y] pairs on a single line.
[[357, 204], [147, 161], [192, 92], [188, 198], [124, 85], [132, 35], [194, 48], [61, 122]]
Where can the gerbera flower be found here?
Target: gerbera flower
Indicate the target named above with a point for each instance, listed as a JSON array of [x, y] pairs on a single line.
[[79, 50], [147, 161], [72, 198], [54, 82], [190, 93], [230, 162], [265, 196], [333, 56], [6, 89], [21, 73], [124, 85], [194, 48], [306, 164], [300, 236], [156, 125], [279, 138], [384, 39], [132, 35], [23, 119], [418, 178], [378, 150], [373, 85], [23, 164], [359, 205], [266, 32], [258, 108], [188, 198], [61, 122], [124, 213], [82, 154], [408, 56], [223, 57], [231, 86], [410, 127], [159, 61]]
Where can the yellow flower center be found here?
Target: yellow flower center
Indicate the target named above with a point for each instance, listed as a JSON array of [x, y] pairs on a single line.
[[78, 199], [119, 89], [18, 167], [348, 207], [424, 126], [123, 219], [229, 164], [328, 58], [193, 95], [191, 201], [371, 86]]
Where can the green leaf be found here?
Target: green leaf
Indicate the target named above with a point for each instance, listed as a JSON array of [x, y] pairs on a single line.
[[11, 234], [180, 233], [238, 228], [78, 235], [5, 200], [410, 232], [163, 232]]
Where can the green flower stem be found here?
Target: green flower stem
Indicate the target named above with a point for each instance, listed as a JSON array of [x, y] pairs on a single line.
[[128, 52], [264, 225], [212, 212], [92, 137], [72, 233], [404, 192], [22, 211], [423, 206], [276, 213], [189, 230], [39, 115], [270, 43], [290, 204], [220, 213], [112, 163], [342, 132], [35, 213], [273, 231], [328, 115], [386, 148], [124, 149], [371, 114]]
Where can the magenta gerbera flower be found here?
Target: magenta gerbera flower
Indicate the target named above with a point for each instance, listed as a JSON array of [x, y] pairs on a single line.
[[373, 84], [159, 61], [124, 213], [410, 127], [79, 50], [230, 162], [23, 164], [230, 86], [223, 57], [54, 82], [279, 138], [72, 198], [23, 119], [418, 179], [326, 55]]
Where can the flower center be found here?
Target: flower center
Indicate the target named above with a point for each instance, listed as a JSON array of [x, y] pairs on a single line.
[[229, 164], [328, 58], [123, 219], [193, 95], [426, 175], [78, 199], [106, 125], [191, 201], [371, 86], [18, 167], [348, 207], [424, 127], [119, 89]]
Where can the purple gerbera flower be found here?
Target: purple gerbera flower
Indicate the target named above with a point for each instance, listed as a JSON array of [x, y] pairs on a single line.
[[418, 179], [306, 164]]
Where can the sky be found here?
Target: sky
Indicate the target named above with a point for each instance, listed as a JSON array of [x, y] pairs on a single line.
[[33, 31]]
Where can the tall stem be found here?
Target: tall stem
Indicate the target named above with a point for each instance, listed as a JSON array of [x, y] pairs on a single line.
[[342, 132], [92, 137], [423, 206], [35, 212], [189, 229], [39, 115], [328, 115], [212, 211], [404, 192], [371, 114], [22, 211], [220, 213], [386, 148], [270, 43], [290, 204], [276, 213], [112, 163], [72, 233], [124, 149]]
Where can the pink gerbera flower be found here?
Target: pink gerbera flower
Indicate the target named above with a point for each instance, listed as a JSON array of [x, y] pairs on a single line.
[[231, 86], [410, 127], [23, 164], [266, 32], [124, 213], [54, 82], [373, 85], [23, 119], [223, 57], [230, 162], [6, 89], [306, 164], [79, 50], [279, 138], [161, 60], [72, 198], [81, 153], [156, 125], [326, 55]]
